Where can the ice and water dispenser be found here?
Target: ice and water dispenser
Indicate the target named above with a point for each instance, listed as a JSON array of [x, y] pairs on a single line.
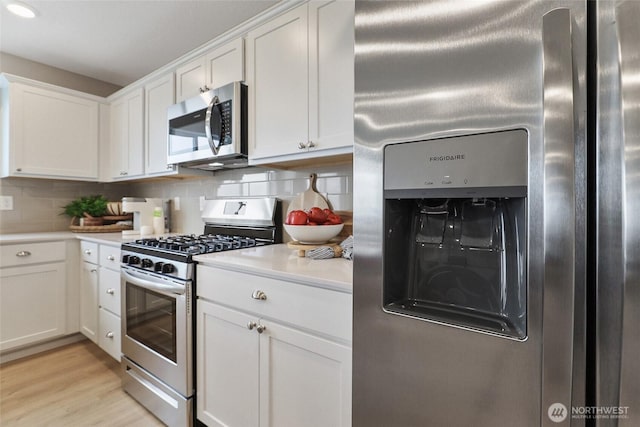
[[455, 243]]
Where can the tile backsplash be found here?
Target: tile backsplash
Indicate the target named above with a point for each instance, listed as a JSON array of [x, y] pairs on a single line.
[[38, 202]]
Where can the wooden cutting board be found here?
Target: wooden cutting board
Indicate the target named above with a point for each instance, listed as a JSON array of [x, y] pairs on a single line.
[[301, 248], [309, 198]]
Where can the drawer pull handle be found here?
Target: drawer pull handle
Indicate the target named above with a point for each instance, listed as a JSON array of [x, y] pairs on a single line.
[[258, 294], [109, 335], [251, 325], [261, 328], [87, 251], [111, 258], [23, 254], [110, 291]]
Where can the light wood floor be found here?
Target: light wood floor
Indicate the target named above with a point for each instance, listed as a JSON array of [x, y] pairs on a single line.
[[73, 386]]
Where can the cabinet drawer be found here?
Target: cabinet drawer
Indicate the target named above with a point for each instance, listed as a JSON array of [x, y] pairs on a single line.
[[109, 335], [89, 251], [109, 290], [110, 257], [32, 253], [317, 309]]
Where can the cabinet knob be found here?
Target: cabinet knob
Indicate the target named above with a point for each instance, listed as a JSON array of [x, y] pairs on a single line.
[[23, 254], [251, 325], [258, 294], [87, 251], [204, 89], [18, 169], [110, 291], [301, 145], [261, 328], [310, 144], [93, 270], [109, 335], [111, 258]]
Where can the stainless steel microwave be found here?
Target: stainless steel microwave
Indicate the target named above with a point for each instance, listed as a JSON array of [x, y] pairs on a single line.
[[209, 131]]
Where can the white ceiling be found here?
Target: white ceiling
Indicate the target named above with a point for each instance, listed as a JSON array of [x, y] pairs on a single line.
[[119, 41]]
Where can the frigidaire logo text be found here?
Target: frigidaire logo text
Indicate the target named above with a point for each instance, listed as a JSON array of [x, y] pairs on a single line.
[[446, 158]]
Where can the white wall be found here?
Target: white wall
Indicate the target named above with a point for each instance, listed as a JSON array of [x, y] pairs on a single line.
[[36, 71]]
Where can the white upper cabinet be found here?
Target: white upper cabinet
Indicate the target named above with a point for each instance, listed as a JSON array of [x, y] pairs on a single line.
[[127, 135], [222, 65], [159, 96], [48, 132], [300, 78]]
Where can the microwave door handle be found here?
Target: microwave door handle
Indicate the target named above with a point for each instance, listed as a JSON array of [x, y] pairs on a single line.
[[207, 125], [167, 290]]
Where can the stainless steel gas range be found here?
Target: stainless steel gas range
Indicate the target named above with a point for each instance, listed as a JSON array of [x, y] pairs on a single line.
[[158, 280]]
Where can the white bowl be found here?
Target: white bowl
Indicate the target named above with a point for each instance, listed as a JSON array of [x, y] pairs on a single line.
[[313, 234]]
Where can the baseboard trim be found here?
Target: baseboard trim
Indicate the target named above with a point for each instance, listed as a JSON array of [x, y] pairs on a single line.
[[40, 347]]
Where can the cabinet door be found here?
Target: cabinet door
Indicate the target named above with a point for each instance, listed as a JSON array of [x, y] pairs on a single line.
[[277, 76], [109, 333], [305, 380], [109, 290], [190, 78], [32, 304], [225, 64], [89, 301], [331, 74], [52, 134], [227, 366], [159, 96], [127, 135]]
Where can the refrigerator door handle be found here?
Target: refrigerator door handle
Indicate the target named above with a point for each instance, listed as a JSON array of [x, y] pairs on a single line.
[[558, 216], [628, 35]]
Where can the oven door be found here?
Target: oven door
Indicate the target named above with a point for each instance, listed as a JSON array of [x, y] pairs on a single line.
[[157, 327]]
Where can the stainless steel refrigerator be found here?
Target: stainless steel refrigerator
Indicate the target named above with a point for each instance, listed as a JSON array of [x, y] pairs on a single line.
[[497, 213]]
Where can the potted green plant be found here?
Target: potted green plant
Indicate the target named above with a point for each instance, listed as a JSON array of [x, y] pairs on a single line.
[[88, 209]]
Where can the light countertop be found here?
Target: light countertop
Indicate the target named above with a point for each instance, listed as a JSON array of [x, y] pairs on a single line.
[[105, 238], [274, 261], [280, 262]]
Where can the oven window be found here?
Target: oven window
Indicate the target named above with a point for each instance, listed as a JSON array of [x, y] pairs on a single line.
[[151, 320]]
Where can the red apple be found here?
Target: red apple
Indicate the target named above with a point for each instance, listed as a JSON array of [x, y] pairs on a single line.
[[297, 217], [317, 215]]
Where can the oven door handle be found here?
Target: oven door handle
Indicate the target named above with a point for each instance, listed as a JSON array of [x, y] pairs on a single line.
[[168, 290]]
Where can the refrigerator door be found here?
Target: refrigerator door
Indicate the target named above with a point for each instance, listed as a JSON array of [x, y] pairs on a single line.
[[436, 69], [618, 204]]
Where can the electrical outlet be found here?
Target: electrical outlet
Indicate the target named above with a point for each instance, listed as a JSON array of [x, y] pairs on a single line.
[[201, 203], [6, 203], [176, 203]]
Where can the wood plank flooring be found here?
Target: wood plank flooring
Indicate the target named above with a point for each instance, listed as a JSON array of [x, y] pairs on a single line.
[[73, 386]]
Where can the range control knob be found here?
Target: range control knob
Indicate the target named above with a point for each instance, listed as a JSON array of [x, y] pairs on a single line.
[[125, 259], [158, 266], [147, 263], [134, 260], [168, 268]]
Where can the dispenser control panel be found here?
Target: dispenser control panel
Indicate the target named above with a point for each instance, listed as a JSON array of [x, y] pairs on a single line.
[[497, 159]]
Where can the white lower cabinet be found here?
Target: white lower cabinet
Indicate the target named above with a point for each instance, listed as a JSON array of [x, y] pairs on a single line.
[[259, 367], [34, 288], [89, 301], [32, 304], [100, 295], [109, 333]]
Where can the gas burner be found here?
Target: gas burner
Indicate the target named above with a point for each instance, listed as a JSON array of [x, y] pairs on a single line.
[[195, 245]]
